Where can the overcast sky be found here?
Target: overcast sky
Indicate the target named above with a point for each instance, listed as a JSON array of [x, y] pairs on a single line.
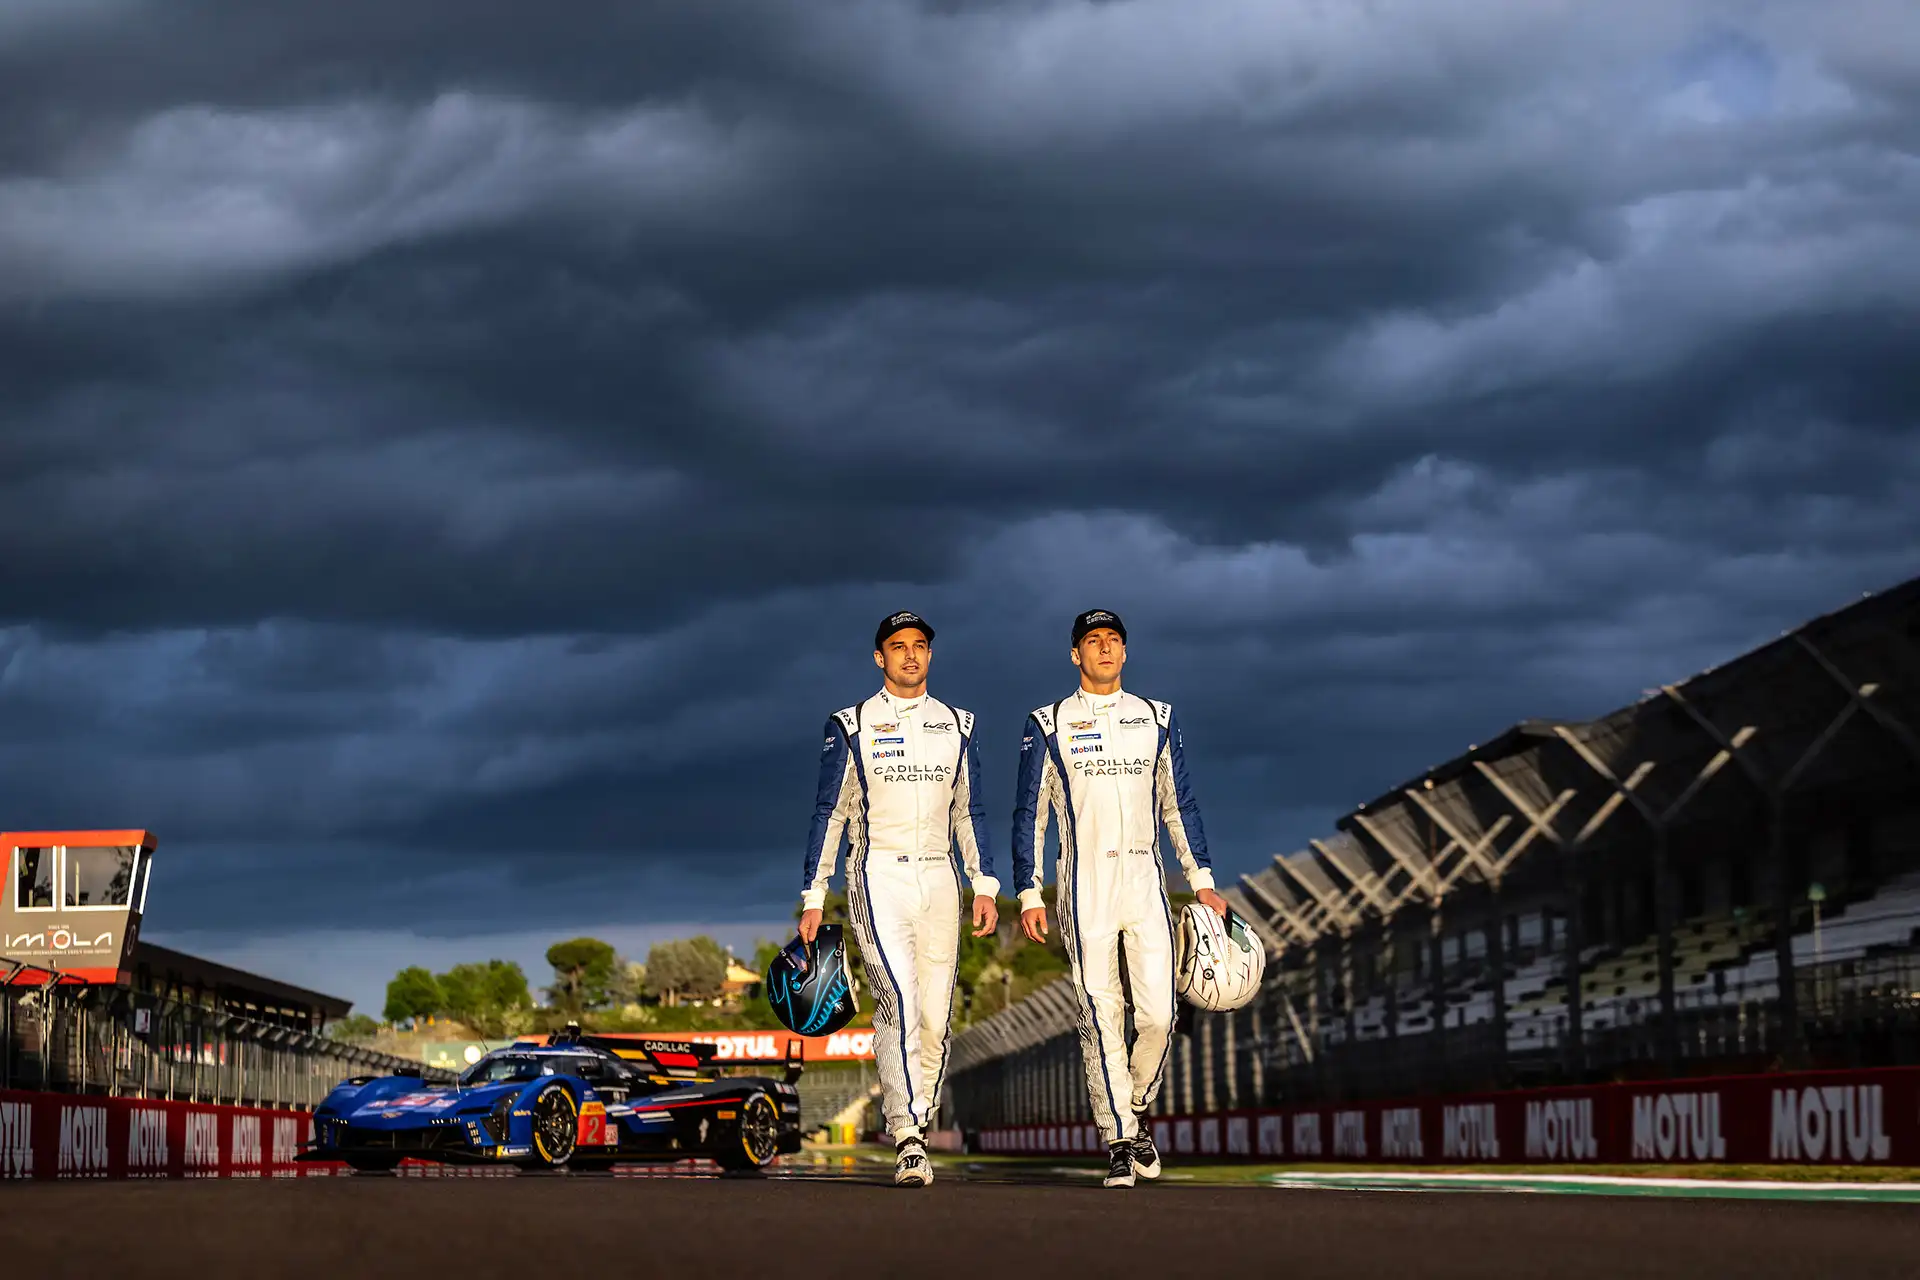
[[453, 466]]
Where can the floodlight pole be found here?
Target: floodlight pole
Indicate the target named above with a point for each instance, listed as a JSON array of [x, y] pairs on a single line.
[[1425, 875], [1659, 822], [1541, 823], [1491, 869], [1392, 929], [1370, 889], [1776, 793]]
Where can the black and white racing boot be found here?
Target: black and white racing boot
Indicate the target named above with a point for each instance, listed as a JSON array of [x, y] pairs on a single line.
[[911, 1168], [1146, 1156], [1119, 1165]]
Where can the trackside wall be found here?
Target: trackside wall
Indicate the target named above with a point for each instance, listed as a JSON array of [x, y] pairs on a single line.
[[1823, 1117], [52, 1136]]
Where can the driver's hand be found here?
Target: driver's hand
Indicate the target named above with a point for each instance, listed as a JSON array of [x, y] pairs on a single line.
[[1213, 902], [986, 916], [810, 924], [1035, 924]]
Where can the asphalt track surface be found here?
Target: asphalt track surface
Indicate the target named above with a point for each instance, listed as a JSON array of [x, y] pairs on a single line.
[[840, 1224]]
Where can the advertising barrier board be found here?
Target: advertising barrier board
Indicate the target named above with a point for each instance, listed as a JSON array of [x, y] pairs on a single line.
[[56, 1136], [61, 1137], [1869, 1117]]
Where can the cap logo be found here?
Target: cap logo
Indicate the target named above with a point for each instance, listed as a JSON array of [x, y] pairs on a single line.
[[902, 617]]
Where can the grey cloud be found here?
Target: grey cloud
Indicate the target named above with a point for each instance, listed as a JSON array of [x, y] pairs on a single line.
[[469, 457]]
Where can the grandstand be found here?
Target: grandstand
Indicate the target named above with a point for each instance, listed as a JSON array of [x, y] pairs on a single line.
[[1723, 876]]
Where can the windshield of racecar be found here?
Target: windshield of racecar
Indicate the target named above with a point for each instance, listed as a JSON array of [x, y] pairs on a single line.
[[501, 1068]]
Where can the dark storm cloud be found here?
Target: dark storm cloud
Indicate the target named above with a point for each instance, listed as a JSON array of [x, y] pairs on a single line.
[[469, 452]]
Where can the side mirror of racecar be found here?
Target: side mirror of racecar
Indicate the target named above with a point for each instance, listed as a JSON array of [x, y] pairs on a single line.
[[796, 1059]]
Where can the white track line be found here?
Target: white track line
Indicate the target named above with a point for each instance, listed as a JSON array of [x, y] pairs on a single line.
[[1599, 1180]]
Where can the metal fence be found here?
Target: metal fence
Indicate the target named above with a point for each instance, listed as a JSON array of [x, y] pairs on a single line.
[[827, 1091], [103, 1040], [1025, 1066]]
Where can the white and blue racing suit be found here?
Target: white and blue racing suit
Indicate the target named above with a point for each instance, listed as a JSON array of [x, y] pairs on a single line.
[[1112, 769], [900, 777]]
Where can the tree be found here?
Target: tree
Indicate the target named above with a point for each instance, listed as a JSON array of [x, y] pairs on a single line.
[[629, 982], [755, 1011], [979, 954], [582, 972], [706, 968], [413, 993], [693, 968], [1034, 962], [485, 996], [355, 1026]]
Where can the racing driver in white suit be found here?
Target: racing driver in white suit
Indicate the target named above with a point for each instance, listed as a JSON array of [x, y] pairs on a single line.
[[1111, 767], [900, 775]]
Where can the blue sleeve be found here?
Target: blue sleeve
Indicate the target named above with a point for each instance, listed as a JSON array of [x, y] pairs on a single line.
[[826, 801], [1029, 816], [1189, 808], [977, 806]]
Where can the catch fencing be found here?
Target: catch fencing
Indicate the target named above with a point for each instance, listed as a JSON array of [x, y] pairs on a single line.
[[116, 1043], [1025, 1066]]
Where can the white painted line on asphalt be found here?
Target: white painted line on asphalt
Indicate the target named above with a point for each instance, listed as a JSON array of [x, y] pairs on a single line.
[[1600, 1180]]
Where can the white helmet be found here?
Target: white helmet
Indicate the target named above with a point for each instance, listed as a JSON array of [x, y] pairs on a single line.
[[1219, 962]]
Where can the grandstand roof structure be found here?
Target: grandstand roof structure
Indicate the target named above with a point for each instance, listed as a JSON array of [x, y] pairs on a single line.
[[163, 971], [1835, 701]]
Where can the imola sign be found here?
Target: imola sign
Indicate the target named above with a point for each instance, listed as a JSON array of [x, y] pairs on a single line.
[[71, 904]]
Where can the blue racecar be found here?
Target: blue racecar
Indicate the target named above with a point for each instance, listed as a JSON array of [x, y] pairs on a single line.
[[575, 1102]]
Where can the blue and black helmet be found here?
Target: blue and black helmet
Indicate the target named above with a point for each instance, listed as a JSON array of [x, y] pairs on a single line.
[[810, 986]]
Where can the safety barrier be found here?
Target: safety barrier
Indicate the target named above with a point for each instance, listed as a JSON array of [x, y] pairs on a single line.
[[1867, 1117], [61, 1137], [49, 1136]]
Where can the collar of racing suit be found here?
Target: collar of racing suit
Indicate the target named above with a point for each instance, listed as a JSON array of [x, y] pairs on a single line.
[[900, 705], [1100, 701]]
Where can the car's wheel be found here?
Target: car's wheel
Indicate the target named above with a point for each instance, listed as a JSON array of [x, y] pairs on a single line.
[[755, 1138], [556, 1127], [373, 1164]]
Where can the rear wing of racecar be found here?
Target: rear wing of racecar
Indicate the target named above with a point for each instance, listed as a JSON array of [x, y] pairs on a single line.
[[677, 1059]]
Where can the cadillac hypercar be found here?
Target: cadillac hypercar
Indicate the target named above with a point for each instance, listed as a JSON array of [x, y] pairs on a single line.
[[572, 1101]]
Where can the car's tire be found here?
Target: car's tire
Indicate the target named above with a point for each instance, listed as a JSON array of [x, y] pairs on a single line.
[[372, 1163], [753, 1140], [556, 1127]]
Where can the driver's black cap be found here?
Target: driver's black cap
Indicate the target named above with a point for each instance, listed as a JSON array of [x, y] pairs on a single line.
[[900, 622], [1093, 620]]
